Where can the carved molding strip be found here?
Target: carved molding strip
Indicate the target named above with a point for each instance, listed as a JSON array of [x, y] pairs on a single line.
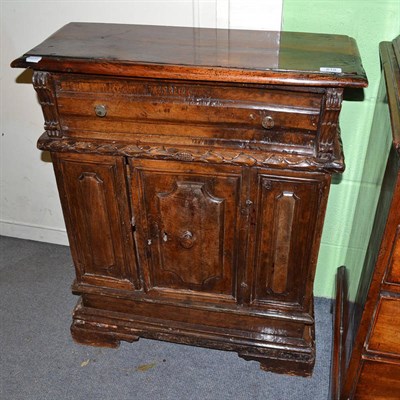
[[43, 84], [212, 156]]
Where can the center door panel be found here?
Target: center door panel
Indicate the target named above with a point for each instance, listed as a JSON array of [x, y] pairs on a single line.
[[186, 226]]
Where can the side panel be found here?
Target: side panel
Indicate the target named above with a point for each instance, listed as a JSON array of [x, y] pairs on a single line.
[[289, 213], [94, 197]]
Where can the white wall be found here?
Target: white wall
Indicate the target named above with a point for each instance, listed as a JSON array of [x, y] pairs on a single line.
[[29, 204]]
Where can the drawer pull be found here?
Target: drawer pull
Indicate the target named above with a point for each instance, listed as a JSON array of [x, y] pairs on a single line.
[[187, 240], [100, 110], [268, 122]]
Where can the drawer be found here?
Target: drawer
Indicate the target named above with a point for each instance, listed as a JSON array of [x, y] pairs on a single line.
[[393, 273], [127, 106], [379, 380], [385, 334]]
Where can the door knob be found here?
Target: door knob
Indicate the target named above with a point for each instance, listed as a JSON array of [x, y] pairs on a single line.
[[187, 240]]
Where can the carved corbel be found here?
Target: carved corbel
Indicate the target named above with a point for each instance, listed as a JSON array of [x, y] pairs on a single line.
[[44, 86], [329, 123]]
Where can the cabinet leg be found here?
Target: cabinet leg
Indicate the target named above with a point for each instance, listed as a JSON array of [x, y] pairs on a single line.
[[299, 367], [91, 329], [94, 338], [287, 368]]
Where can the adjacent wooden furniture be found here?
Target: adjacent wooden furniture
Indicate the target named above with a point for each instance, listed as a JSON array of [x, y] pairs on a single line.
[[366, 362], [193, 167]]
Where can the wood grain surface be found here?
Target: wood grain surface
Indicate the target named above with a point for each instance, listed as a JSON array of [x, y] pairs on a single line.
[[201, 54]]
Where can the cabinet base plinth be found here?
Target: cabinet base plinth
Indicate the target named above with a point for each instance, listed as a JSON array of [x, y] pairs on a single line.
[[299, 367], [92, 337], [280, 354]]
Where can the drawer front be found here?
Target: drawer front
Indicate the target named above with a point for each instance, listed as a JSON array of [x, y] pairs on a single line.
[[385, 335], [393, 275], [126, 106], [378, 381]]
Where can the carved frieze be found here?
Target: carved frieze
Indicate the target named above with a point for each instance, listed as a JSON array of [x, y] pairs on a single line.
[[200, 154]]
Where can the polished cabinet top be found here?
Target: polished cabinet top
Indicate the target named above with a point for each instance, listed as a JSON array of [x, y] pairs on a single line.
[[201, 54]]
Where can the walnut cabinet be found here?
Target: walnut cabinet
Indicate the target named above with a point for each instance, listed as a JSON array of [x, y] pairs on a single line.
[[193, 167]]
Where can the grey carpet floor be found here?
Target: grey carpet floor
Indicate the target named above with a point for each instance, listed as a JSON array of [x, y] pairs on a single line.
[[40, 361]]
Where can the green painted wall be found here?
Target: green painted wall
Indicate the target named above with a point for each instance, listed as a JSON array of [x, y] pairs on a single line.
[[354, 195]]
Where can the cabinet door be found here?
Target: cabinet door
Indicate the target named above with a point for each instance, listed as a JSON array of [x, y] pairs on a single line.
[[289, 215], [187, 227], [93, 194]]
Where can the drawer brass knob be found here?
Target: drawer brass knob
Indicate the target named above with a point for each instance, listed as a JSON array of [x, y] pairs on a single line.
[[187, 240], [268, 122], [100, 110]]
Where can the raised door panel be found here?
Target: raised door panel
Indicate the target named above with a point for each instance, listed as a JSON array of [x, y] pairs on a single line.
[[94, 198], [288, 215], [188, 227]]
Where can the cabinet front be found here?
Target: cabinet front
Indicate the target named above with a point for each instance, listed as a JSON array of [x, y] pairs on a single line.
[[186, 225]]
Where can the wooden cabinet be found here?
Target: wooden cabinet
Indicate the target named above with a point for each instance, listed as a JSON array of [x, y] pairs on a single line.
[[366, 355], [193, 167]]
